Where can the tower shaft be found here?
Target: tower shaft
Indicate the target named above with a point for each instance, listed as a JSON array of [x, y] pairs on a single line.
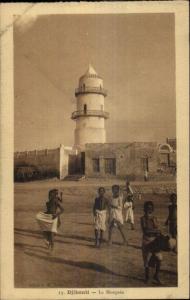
[[90, 115]]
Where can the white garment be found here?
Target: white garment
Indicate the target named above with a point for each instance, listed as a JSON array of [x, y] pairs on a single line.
[[129, 215], [46, 222], [100, 220], [116, 213], [130, 190]]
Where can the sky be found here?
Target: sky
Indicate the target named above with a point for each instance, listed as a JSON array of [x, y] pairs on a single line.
[[133, 53]]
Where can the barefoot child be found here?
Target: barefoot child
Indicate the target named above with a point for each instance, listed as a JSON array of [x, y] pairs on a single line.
[[116, 214], [100, 212], [49, 221], [129, 207], [151, 253], [129, 189]]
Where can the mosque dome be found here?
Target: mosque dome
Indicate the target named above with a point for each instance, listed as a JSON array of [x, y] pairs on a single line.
[[90, 73]]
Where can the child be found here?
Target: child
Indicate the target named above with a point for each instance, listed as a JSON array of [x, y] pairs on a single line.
[[55, 193], [116, 216], [172, 216], [99, 212], [129, 207], [129, 189], [48, 221], [146, 175], [151, 254]]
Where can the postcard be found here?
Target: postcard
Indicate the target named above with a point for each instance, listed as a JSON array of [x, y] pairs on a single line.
[[95, 150]]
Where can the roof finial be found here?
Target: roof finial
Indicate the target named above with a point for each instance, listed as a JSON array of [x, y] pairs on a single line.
[[90, 70]]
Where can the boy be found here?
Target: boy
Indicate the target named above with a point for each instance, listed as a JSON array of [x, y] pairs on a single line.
[[129, 204], [150, 250], [100, 212], [116, 216], [48, 221], [172, 216], [129, 189], [129, 207], [55, 193], [145, 175]]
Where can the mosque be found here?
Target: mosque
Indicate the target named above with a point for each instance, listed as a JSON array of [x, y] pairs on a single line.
[[91, 155]]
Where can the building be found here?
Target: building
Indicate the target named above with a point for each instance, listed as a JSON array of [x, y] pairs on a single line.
[[130, 161], [91, 155]]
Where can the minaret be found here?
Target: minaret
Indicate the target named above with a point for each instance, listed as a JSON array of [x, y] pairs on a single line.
[[90, 115]]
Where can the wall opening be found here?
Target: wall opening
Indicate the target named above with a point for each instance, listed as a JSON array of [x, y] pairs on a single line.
[[145, 164], [110, 166], [96, 165], [165, 159], [72, 167], [82, 162], [85, 108]]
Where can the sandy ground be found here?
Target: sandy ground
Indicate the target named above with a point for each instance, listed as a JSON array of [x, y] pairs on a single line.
[[75, 261]]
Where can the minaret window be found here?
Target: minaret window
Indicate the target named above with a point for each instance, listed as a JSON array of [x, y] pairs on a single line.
[[85, 108]]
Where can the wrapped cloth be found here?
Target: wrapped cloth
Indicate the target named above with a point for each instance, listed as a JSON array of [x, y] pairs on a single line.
[[100, 219], [129, 215], [116, 213], [46, 222]]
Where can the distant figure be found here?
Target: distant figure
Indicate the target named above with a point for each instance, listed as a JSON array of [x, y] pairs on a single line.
[[172, 216], [100, 213], [129, 189], [129, 207], [150, 231], [128, 204], [49, 221], [116, 214], [145, 175]]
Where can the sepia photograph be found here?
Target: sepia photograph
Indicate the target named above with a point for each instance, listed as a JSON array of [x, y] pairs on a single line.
[[95, 151], [95, 155]]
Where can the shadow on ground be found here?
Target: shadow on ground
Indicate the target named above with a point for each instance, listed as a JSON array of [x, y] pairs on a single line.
[[38, 235]]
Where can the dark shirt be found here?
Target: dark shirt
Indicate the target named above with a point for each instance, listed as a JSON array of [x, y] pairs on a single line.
[[100, 204]]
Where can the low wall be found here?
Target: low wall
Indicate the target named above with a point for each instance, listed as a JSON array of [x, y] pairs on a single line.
[[47, 162]]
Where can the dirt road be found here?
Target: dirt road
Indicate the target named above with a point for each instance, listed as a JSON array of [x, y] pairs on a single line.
[[75, 262]]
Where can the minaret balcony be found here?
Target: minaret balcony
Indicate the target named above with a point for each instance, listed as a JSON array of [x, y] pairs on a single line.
[[90, 113], [89, 90]]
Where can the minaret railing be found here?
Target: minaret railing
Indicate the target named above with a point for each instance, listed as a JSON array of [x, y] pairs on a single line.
[[95, 90], [93, 113]]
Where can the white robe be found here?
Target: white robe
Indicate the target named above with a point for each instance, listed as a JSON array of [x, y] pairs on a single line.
[[100, 220], [116, 213], [46, 222], [129, 215]]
